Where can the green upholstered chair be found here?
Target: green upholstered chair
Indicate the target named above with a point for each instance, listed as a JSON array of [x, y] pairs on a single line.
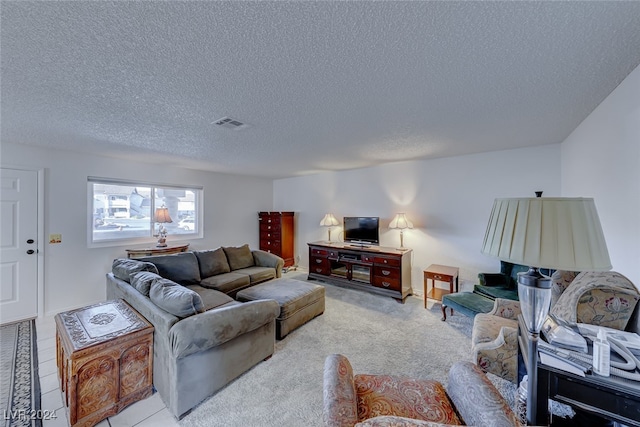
[[492, 285]]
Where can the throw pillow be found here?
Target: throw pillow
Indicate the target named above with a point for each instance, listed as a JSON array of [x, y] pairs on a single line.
[[240, 257], [123, 268], [174, 298], [142, 281], [212, 262], [182, 268]]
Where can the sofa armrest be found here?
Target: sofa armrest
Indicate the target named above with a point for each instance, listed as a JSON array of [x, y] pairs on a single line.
[[266, 259], [214, 327], [493, 279], [467, 383], [509, 309], [340, 406]]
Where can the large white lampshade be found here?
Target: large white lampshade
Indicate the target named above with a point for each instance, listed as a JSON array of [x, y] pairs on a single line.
[[547, 232]]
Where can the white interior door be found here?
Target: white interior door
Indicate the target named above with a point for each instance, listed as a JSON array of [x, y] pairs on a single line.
[[18, 245]]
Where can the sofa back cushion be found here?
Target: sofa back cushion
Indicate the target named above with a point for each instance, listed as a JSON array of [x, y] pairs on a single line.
[[212, 262], [174, 298], [239, 257], [142, 281], [181, 268], [123, 268]]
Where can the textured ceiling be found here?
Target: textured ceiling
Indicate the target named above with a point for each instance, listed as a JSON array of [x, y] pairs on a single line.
[[321, 85]]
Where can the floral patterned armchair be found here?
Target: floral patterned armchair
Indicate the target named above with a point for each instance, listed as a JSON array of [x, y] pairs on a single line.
[[598, 298], [603, 298], [384, 400]]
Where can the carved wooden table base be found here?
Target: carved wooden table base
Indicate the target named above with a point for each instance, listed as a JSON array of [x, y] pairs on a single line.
[[104, 354]]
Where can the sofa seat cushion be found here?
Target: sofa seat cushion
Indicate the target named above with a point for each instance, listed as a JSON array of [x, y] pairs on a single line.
[[174, 298], [494, 292], [212, 262], [212, 298], [182, 268], [123, 268], [404, 397], [468, 303], [239, 257], [258, 274], [227, 282]]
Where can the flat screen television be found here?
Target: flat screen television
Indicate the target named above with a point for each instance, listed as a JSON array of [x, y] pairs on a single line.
[[361, 230]]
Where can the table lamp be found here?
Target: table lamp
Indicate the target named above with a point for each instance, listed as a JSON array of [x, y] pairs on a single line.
[[329, 221], [400, 222], [162, 217], [544, 232]]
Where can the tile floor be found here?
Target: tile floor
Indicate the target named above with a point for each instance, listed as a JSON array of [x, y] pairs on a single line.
[[146, 413]]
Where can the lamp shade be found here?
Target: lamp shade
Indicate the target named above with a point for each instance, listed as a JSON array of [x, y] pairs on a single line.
[[557, 233], [400, 221], [329, 221], [162, 215]]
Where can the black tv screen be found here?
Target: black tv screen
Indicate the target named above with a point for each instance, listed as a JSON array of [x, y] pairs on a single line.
[[361, 230]]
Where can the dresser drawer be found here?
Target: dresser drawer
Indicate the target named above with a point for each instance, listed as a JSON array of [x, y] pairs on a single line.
[[319, 252], [386, 272], [386, 282], [319, 266], [269, 226], [393, 262], [270, 235], [368, 258]]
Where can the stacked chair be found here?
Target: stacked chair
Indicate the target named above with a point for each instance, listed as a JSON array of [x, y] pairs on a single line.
[[598, 298]]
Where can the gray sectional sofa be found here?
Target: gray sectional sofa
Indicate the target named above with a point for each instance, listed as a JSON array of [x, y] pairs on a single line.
[[203, 338]]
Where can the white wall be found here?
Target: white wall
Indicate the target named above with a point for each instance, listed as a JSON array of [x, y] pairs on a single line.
[[448, 200], [74, 274], [601, 159]]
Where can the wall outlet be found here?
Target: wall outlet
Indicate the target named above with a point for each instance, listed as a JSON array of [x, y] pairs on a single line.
[[55, 238]]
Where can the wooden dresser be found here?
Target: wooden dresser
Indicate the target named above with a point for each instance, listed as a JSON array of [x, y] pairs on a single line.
[[376, 269], [277, 235], [104, 354]]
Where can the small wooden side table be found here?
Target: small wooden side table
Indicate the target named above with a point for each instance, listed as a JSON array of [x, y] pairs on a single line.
[[104, 354], [139, 253], [442, 273]]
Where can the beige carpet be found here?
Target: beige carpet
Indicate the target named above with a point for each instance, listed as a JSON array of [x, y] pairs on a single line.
[[377, 334]]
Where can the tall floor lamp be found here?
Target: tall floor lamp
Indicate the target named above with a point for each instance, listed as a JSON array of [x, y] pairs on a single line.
[[544, 232]]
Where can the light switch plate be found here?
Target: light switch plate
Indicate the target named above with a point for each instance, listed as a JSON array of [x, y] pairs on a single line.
[[55, 238]]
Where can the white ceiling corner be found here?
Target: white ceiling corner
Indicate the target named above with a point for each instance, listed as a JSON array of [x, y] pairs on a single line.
[[323, 85]]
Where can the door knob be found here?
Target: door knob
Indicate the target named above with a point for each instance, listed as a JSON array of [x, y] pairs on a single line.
[[31, 251], [30, 241]]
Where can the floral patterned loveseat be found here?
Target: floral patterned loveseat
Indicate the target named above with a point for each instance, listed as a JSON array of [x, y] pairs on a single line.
[[391, 401]]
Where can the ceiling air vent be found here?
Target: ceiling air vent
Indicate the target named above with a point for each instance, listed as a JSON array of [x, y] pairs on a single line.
[[229, 123]]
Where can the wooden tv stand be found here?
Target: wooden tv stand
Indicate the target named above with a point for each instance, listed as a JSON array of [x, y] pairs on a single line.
[[376, 269]]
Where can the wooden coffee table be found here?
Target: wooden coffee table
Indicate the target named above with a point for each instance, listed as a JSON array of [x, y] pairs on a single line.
[[104, 354]]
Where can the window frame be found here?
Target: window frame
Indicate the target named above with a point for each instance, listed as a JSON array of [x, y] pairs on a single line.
[[197, 190]]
